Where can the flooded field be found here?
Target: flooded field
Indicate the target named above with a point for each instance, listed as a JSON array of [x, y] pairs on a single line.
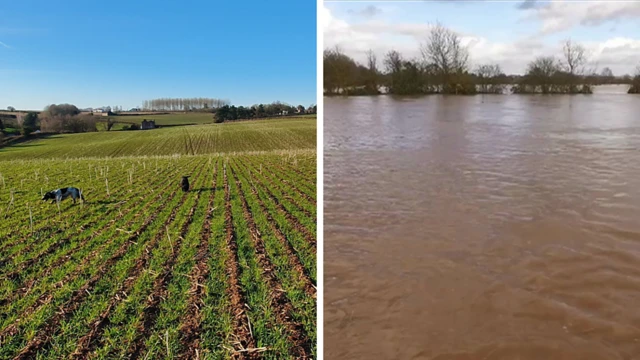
[[484, 227]]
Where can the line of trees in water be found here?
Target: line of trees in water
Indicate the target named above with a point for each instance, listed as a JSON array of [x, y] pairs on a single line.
[[444, 68]]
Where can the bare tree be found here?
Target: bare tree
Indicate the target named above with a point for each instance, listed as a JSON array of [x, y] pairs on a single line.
[[393, 62], [372, 61], [488, 78], [635, 82], [444, 50], [371, 82], [606, 72], [539, 76], [341, 72], [448, 59], [574, 57]]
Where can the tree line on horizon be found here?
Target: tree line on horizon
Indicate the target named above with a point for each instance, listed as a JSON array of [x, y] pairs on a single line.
[[259, 111], [444, 67], [68, 118], [62, 118], [183, 104]]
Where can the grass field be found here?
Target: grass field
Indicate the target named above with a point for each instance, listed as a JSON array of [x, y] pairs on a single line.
[[170, 119], [184, 118], [143, 270], [259, 135]]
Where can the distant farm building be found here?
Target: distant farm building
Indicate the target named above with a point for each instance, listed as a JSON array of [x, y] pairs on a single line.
[[102, 112], [148, 124]]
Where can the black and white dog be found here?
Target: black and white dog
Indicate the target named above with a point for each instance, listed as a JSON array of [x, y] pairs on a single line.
[[63, 193]]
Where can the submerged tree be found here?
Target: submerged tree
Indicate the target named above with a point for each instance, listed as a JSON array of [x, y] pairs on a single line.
[[393, 65], [574, 59], [444, 53], [372, 75], [635, 84], [539, 76], [340, 71], [444, 67], [489, 79]]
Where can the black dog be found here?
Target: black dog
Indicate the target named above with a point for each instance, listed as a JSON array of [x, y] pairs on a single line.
[[185, 183], [63, 193]]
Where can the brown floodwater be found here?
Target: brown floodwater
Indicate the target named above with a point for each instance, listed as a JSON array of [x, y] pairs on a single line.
[[485, 227]]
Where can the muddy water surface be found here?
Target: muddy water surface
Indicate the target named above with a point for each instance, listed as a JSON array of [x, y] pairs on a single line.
[[496, 227]]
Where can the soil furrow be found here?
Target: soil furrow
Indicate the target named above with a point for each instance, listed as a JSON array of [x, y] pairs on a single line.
[[304, 176], [280, 303], [49, 227], [284, 193], [88, 343], [276, 181], [14, 274], [45, 333], [46, 297], [63, 241], [152, 309], [244, 339], [293, 201], [294, 258], [191, 327], [54, 228], [308, 235], [27, 286], [283, 173]]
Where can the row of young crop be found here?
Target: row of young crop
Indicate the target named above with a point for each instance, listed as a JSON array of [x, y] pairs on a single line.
[[65, 250], [86, 219], [87, 222], [280, 270], [61, 283], [25, 215], [48, 224], [286, 197], [291, 134], [290, 228], [144, 292], [287, 173]]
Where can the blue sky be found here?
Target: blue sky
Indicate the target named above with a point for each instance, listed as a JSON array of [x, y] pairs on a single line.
[[95, 54], [509, 33]]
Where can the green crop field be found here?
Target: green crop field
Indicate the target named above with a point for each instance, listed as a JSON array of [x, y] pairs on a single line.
[[183, 118], [243, 136], [170, 119], [143, 270]]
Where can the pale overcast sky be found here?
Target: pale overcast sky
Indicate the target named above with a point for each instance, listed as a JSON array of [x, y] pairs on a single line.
[[509, 33]]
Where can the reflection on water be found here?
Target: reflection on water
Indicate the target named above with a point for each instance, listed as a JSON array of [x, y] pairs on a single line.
[[485, 227]]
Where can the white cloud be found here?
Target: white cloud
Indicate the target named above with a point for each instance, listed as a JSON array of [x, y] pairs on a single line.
[[368, 12], [558, 16], [5, 45], [621, 54]]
